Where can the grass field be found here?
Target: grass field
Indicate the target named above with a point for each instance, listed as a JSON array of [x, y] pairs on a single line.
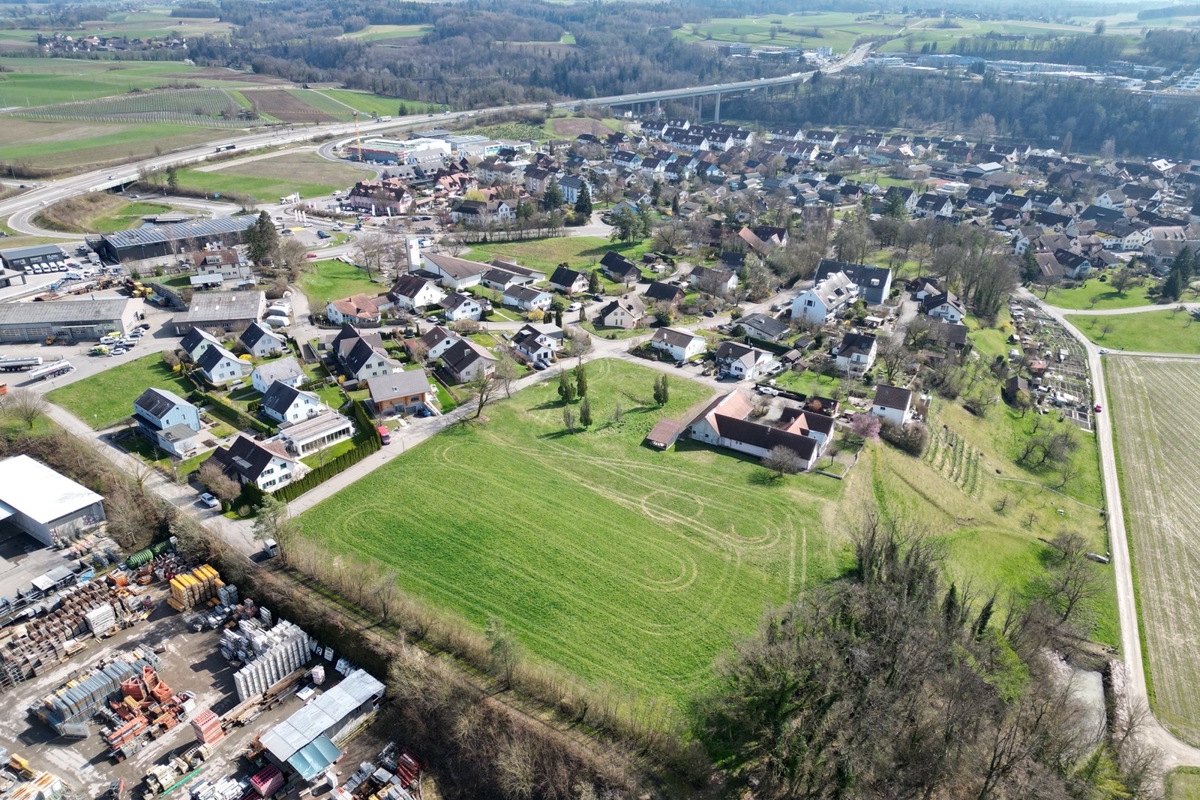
[[1098, 296], [97, 212], [268, 179], [624, 565], [69, 144], [378, 33], [333, 280], [1183, 784], [835, 29], [44, 81], [1150, 332], [1157, 435], [579, 252], [106, 398], [377, 104]]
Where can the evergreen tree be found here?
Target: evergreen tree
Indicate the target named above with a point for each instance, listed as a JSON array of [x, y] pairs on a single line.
[[666, 391], [583, 204], [262, 239], [594, 282], [552, 198], [172, 178], [566, 389], [1030, 271], [558, 317], [581, 384], [585, 413]]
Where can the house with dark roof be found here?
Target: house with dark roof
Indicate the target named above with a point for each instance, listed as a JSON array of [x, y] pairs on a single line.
[[952, 336], [464, 361], [855, 354], [680, 345], [944, 305], [457, 306], [267, 465], [726, 422], [743, 362], [892, 404], [659, 292], [527, 298], [874, 283], [713, 280], [626, 312], [934, 205], [261, 342], [620, 269], [568, 281], [412, 292], [432, 343], [219, 366], [760, 326], [284, 403], [169, 421], [364, 360], [196, 341], [539, 343]]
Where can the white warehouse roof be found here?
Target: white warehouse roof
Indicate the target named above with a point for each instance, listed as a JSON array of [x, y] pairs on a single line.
[[40, 493]]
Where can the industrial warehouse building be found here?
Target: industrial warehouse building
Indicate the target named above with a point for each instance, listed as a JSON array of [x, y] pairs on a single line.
[[22, 258], [226, 311], [49, 507], [69, 320], [163, 241], [394, 151]]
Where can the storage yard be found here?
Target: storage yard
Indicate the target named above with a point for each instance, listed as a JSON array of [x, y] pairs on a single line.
[[159, 679]]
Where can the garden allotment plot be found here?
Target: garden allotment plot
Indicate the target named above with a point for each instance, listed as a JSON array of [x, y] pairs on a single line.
[[1157, 423], [625, 566]]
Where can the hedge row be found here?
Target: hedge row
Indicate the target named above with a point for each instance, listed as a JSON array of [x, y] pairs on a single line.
[[227, 413]]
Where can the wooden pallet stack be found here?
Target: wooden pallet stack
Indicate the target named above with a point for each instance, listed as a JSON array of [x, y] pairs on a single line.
[[195, 588]]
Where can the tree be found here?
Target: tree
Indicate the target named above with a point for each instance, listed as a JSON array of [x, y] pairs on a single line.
[[594, 281], [628, 225], [585, 413], [223, 487], [552, 198], [581, 383], [662, 392], [262, 239], [502, 648], [1121, 280], [25, 404], [271, 522], [782, 461], [671, 235], [583, 203], [292, 255], [172, 178], [483, 389], [568, 415], [566, 389], [866, 426], [506, 370], [893, 356]]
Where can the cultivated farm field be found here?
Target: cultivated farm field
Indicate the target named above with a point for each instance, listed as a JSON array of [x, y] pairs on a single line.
[[61, 145], [626, 566], [1157, 435]]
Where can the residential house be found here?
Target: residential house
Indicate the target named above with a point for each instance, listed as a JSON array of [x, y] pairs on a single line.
[[944, 305], [726, 422], [283, 370], [454, 273], [680, 345], [934, 205], [458, 306], [196, 341], [312, 435], [714, 280], [744, 362], [568, 281], [501, 279], [358, 309], [402, 392], [265, 464], [659, 292], [855, 354], [571, 187], [465, 361], [760, 326], [261, 342], [432, 343], [413, 293], [539, 343], [537, 179], [169, 421], [526, 298], [901, 195], [976, 195], [950, 335], [284, 403], [620, 269], [228, 265], [219, 366], [874, 283], [892, 404], [481, 213], [627, 311], [1113, 199], [764, 239], [825, 300], [366, 360]]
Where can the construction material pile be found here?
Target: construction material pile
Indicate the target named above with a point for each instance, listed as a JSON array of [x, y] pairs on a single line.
[[207, 727], [79, 699], [147, 708], [224, 789], [50, 639], [270, 654], [196, 588]]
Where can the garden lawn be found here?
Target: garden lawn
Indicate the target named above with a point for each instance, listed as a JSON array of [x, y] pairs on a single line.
[[333, 280], [105, 399], [1167, 331], [808, 383], [1097, 295], [579, 252], [626, 566]]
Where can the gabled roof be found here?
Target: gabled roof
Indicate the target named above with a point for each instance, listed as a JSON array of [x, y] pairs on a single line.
[[856, 343], [284, 369], [195, 337], [457, 268], [770, 326], [674, 337], [523, 294], [398, 384], [659, 291], [892, 397], [452, 301], [834, 289], [564, 276], [254, 334], [360, 354], [248, 458], [462, 354], [212, 356], [435, 336], [631, 304], [280, 397], [158, 402], [409, 286]]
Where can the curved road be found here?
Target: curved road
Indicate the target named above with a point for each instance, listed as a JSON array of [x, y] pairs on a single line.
[[1175, 752]]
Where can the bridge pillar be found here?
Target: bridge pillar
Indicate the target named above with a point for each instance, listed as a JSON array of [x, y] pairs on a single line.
[[717, 109]]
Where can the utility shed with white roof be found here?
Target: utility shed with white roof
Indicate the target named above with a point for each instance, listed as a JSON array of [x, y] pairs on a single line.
[[44, 504]]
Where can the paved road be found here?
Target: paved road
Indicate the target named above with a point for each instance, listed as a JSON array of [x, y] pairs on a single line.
[[1175, 752], [1113, 312]]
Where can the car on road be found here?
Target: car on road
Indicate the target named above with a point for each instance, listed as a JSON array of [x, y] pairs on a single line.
[[108, 340], [145, 326], [710, 313], [1103, 351], [574, 306], [1098, 408], [324, 235], [118, 351], [209, 501], [311, 255]]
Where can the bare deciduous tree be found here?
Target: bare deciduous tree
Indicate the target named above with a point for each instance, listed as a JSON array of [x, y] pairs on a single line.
[[25, 405], [782, 461]]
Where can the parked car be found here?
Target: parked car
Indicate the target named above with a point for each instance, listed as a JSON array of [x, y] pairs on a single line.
[[1098, 408], [118, 351], [324, 235], [574, 306], [108, 340], [209, 501]]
